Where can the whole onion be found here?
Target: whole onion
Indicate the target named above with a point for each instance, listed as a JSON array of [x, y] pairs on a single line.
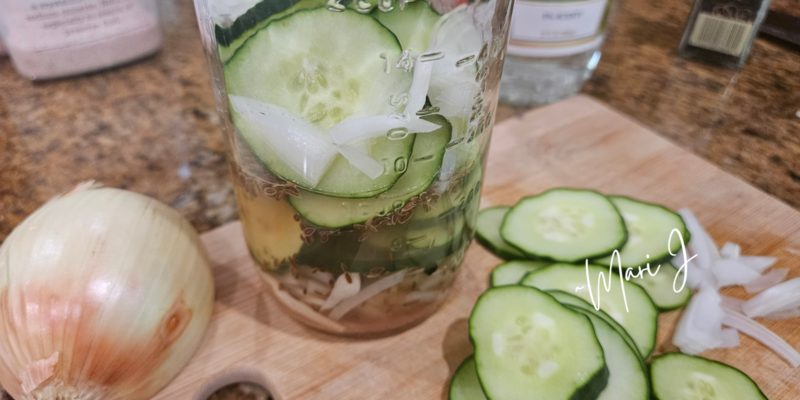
[[104, 294]]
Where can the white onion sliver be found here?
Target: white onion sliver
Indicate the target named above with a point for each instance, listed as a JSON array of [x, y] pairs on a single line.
[[731, 303], [700, 325], [730, 250], [299, 307], [300, 144], [766, 281], [347, 285], [781, 297], [377, 126], [762, 334], [730, 338], [419, 87], [364, 163], [758, 263], [368, 292], [424, 297], [732, 272], [701, 242], [791, 313]]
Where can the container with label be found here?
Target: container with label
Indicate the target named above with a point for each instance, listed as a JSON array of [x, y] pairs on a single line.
[[553, 48], [56, 38], [722, 32]]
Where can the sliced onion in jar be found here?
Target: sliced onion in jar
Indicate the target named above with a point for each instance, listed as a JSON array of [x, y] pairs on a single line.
[[303, 146], [377, 126], [302, 309], [766, 281], [781, 297], [423, 296], [347, 285], [365, 294], [362, 162]]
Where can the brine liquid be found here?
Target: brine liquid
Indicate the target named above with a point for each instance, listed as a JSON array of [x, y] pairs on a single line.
[[414, 252]]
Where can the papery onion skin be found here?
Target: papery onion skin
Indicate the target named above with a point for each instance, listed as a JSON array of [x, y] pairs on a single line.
[[117, 283]]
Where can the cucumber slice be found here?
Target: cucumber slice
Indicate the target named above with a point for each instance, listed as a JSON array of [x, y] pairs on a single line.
[[527, 343], [423, 165], [678, 376], [577, 302], [512, 272], [565, 225], [260, 15], [488, 233], [649, 228], [640, 319], [660, 288], [465, 384], [412, 24], [627, 376], [454, 199], [295, 66]]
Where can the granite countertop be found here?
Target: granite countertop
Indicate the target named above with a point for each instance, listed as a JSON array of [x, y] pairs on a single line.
[[152, 127]]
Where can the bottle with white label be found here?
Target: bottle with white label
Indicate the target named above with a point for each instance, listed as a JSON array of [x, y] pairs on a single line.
[[553, 48], [56, 38]]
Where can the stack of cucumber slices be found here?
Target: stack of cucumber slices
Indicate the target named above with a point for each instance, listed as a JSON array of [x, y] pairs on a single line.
[[542, 331], [573, 226], [377, 124]]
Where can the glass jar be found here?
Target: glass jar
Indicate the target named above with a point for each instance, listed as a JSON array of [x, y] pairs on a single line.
[[358, 133]]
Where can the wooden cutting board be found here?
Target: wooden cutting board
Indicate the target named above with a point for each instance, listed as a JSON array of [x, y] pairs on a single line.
[[578, 142]]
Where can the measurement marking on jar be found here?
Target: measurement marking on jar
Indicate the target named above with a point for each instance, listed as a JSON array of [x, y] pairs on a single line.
[[427, 111], [428, 57], [466, 61], [385, 5], [334, 5]]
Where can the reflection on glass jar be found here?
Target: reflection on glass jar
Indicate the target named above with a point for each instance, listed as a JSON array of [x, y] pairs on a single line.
[[358, 134]]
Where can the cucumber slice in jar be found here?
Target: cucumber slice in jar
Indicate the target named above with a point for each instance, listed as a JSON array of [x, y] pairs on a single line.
[[289, 84], [649, 228], [454, 199], [527, 344], [231, 38], [411, 24], [627, 376], [678, 376], [661, 290], [423, 166], [577, 302], [639, 318], [488, 233], [512, 272], [465, 384], [564, 225]]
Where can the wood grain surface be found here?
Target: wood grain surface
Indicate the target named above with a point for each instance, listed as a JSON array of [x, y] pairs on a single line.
[[579, 143]]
